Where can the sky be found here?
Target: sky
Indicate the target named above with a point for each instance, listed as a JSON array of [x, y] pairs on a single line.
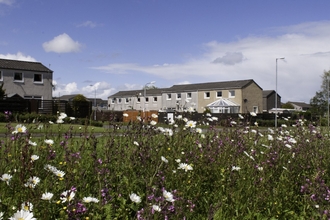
[[100, 47]]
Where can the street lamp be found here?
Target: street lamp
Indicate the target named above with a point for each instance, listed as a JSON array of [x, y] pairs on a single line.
[[328, 98], [94, 103], [281, 58], [145, 94]]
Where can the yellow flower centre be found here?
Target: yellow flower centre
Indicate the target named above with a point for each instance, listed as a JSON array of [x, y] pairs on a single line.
[[20, 130]]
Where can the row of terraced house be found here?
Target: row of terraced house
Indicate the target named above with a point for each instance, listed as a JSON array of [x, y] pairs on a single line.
[[33, 80], [239, 96]]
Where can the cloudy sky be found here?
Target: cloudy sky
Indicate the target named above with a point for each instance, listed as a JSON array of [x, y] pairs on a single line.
[[104, 46]]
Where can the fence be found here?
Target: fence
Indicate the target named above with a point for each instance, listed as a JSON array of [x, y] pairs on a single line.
[[51, 107]]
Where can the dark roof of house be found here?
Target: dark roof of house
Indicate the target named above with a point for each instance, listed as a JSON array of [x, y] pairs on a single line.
[[130, 93], [301, 104], [238, 84], [266, 93], [23, 65], [67, 97]]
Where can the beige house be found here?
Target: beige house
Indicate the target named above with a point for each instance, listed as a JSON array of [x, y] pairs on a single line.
[[240, 96]]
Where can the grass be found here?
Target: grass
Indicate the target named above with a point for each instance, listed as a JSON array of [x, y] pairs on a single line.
[[53, 128], [175, 172]]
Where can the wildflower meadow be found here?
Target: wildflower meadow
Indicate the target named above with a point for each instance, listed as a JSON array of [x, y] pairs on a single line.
[[182, 170]]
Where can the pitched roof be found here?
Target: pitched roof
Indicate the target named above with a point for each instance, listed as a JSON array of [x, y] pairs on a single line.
[[238, 84], [140, 92], [266, 93], [67, 97], [301, 104], [23, 65], [222, 102]]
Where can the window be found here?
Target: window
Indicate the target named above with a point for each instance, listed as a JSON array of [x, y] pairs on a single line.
[[127, 100], [155, 99], [38, 78], [178, 96], [169, 96], [119, 100], [255, 109], [232, 94], [18, 77], [206, 95], [219, 94], [138, 100], [147, 99], [113, 101], [188, 95]]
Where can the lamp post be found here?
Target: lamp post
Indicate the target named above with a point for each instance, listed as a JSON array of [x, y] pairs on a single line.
[[328, 98], [145, 94], [281, 58], [94, 103]]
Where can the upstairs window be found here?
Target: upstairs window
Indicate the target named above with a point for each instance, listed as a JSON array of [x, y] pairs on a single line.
[[18, 77], [206, 95], [119, 100], [155, 99], [178, 96], [188, 95], [38, 78], [169, 96], [127, 100], [138, 100], [147, 99], [219, 94], [113, 101], [232, 94]]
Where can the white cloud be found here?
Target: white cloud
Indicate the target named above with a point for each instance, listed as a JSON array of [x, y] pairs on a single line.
[[17, 56], [88, 24], [65, 89], [230, 58], [7, 2], [306, 48], [62, 44]]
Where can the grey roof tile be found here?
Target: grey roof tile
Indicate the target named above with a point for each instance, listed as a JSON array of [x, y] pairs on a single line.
[[23, 65]]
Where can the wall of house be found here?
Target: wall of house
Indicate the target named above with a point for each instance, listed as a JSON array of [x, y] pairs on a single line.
[[252, 96], [179, 104], [133, 103], [269, 102], [204, 101], [28, 87]]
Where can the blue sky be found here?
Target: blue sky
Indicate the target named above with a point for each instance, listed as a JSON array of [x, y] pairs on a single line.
[[105, 46]]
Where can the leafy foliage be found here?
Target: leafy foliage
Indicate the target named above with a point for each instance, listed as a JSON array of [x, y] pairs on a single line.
[[287, 105], [319, 103], [2, 92], [229, 173]]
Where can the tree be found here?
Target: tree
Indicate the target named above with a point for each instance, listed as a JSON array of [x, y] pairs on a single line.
[[287, 105], [150, 86], [81, 106], [2, 92], [319, 103]]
